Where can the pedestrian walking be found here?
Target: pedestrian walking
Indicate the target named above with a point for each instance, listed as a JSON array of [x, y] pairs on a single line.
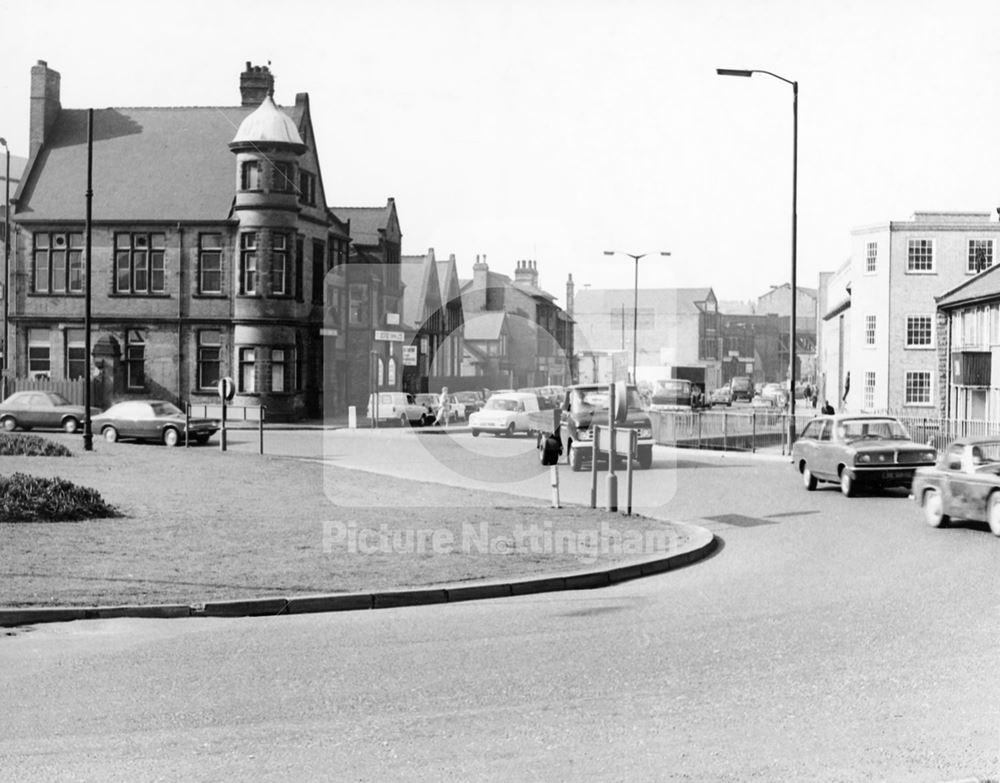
[[444, 407]]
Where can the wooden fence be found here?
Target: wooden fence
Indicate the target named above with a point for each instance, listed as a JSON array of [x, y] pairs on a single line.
[[74, 391]]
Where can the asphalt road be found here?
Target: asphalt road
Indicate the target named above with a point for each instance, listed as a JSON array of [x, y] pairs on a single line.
[[828, 640]]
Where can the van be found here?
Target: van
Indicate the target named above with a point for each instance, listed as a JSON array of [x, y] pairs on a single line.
[[740, 388], [399, 407]]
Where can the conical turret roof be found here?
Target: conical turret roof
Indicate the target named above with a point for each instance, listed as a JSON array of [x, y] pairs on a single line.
[[269, 125]]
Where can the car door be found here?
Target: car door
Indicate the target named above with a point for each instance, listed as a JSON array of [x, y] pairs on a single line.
[[824, 464], [30, 409], [955, 482], [130, 417], [805, 445]]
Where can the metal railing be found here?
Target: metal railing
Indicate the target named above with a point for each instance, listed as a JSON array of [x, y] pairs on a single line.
[[233, 413], [750, 430], [727, 430]]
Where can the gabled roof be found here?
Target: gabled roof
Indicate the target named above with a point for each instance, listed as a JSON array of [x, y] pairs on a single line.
[[485, 326], [448, 280], [422, 293], [369, 224], [981, 287], [591, 302], [154, 164]]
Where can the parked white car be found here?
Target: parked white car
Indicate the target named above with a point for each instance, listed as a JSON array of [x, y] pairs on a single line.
[[507, 413], [398, 407]]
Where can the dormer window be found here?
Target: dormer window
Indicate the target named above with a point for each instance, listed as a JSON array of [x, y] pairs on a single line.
[[250, 175]]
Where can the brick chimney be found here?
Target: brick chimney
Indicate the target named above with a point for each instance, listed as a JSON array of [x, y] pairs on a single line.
[[256, 83], [45, 104], [570, 290], [475, 296], [527, 273]]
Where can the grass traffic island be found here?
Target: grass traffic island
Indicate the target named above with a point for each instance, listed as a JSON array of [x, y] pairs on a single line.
[[198, 525], [25, 498]]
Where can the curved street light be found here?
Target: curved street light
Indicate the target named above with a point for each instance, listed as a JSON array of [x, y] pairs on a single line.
[[795, 158], [635, 305]]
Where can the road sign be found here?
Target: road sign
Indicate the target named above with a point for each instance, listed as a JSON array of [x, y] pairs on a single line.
[[391, 337], [227, 389], [409, 356]]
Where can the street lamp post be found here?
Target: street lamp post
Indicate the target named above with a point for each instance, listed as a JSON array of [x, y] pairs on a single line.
[[6, 267], [795, 166], [635, 306]]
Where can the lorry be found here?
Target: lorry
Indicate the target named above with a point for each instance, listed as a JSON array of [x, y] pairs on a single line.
[[587, 404], [602, 366]]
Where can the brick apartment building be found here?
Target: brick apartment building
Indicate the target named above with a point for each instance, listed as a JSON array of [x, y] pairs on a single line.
[[211, 244]]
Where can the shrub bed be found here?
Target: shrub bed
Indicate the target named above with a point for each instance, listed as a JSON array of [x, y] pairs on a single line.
[[21, 445], [25, 498]]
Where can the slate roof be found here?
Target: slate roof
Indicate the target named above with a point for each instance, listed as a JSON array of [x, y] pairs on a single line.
[[160, 163], [485, 326], [421, 295], [365, 222], [982, 287]]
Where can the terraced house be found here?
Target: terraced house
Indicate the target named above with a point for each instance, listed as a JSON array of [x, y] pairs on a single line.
[[212, 243]]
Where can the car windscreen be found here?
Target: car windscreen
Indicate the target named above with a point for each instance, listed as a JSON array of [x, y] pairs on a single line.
[[872, 429], [590, 400], [165, 409], [499, 404]]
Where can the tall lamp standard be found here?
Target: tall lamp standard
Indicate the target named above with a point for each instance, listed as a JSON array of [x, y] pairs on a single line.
[[635, 305], [795, 165], [6, 267]]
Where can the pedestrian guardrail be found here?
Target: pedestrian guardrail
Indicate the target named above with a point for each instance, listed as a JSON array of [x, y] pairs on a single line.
[[230, 413]]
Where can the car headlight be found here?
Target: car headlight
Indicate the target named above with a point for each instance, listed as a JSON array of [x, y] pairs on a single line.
[[587, 434], [929, 456], [645, 432], [861, 459]]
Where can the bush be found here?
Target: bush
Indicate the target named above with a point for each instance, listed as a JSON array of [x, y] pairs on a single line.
[[21, 445], [25, 498]]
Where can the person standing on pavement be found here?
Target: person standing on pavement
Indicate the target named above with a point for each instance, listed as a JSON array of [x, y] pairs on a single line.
[[444, 407]]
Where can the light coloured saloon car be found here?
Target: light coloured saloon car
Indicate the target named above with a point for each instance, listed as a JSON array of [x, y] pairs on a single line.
[[858, 451]]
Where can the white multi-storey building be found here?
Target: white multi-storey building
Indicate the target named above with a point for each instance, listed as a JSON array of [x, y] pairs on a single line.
[[896, 271]]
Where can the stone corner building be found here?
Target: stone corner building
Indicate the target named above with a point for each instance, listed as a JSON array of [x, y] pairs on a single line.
[[211, 241]]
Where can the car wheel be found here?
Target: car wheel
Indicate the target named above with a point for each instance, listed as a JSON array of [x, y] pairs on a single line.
[[171, 437], [575, 460], [70, 425], [202, 438], [475, 433], [934, 509], [110, 434], [646, 458], [993, 513], [847, 483], [510, 430], [808, 479], [9, 423]]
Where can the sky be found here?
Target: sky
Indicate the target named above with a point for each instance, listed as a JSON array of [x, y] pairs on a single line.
[[555, 130]]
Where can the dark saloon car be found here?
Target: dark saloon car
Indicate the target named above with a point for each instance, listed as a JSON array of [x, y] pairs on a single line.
[[588, 404], [156, 420], [965, 483], [853, 451], [44, 409]]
